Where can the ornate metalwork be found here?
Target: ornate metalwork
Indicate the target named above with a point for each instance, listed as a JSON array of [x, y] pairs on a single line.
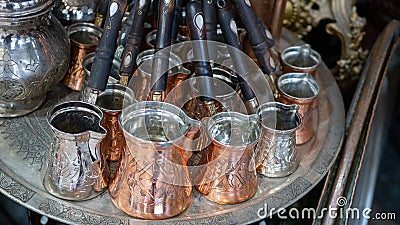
[[301, 16]]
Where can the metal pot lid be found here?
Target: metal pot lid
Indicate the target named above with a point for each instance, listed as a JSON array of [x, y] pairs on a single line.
[[15, 9]]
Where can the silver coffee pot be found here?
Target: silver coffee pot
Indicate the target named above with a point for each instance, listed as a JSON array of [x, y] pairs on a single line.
[[34, 54]]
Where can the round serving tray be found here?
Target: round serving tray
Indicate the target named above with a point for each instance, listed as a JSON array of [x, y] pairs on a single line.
[[25, 142]]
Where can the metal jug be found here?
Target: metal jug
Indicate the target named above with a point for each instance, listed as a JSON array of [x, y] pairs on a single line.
[[276, 150], [141, 80], [73, 170], [227, 173], [153, 181]]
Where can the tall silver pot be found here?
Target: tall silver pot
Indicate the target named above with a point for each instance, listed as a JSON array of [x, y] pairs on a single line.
[[34, 54]]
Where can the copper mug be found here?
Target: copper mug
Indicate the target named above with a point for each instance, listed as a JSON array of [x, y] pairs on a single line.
[[227, 173], [276, 150], [84, 38], [227, 95], [141, 79], [300, 59], [152, 181], [301, 89], [111, 102]]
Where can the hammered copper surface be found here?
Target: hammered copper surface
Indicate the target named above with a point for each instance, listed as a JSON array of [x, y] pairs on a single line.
[[25, 140]]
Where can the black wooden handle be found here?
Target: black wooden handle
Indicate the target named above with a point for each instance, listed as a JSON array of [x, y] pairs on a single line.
[[230, 33], [265, 32], [107, 45], [177, 20], [196, 23], [256, 37], [134, 39], [164, 28], [125, 29]]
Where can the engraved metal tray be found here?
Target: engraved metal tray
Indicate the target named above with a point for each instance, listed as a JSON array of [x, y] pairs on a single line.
[[25, 142]]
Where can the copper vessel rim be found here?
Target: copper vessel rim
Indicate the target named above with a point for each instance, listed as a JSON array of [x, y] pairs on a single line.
[[239, 116], [125, 112], [85, 27], [262, 108], [298, 76], [314, 54], [127, 92]]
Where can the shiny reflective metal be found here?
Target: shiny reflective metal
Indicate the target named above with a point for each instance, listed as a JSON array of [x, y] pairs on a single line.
[[228, 173], [73, 11], [111, 102], [34, 55], [23, 147], [87, 66], [74, 167], [276, 150], [301, 89], [226, 96], [152, 181], [84, 38], [141, 80], [300, 59]]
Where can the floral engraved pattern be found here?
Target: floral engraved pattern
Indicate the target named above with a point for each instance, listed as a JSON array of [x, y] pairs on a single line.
[[7, 64], [32, 66], [77, 216], [10, 89], [15, 189]]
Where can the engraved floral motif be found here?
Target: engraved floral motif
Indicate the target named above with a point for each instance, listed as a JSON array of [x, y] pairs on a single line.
[[10, 89], [7, 64], [20, 192], [56, 208]]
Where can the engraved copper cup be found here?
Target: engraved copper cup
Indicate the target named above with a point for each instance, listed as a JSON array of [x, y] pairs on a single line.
[[276, 149], [301, 89], [227, 173], [84, 38], [300, 59], [111, 102], [74, 167], [152, 181], [141, 80], [227, 97]]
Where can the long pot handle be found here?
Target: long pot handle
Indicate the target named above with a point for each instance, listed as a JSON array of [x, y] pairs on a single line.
[[196, 23], [257, 40], [161, 61], [133, 41], [105, 51]]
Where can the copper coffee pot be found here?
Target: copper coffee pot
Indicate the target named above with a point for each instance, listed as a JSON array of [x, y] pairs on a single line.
[[152, 181], [227, 173]]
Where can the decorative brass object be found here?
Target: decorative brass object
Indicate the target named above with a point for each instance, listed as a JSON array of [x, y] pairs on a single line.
[[302, 15]]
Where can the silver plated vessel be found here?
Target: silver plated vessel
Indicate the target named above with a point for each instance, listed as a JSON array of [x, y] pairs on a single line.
[[34, 55]]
